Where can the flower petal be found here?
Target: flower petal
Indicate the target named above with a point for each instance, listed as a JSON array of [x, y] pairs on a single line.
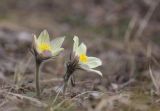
[[57, 43], [57, 51], [94, 62], [34, 40], [76, 43], [96, 71], [86, 67], [43, 37], [82, 49], [35, 43]]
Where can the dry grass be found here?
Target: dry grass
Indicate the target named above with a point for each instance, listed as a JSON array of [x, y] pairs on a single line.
[[125, 38]]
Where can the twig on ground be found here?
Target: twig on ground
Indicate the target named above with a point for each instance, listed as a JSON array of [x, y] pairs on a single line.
[[51, 80], [32, 100], [127, 83], [154, 80], [131, 26], [146, 19], [3, 103]]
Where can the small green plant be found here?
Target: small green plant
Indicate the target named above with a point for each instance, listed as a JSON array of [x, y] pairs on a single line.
[[43, 49]]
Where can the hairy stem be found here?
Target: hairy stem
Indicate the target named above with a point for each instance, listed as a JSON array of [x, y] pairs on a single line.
[[68, 77], [37, 79], [65, 84]]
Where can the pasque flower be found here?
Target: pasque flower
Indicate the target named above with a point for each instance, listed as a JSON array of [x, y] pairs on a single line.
[[80, 60], [85, 62], [44, 49]]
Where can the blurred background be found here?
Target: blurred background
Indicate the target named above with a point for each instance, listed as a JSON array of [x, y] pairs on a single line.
[[124, 34]]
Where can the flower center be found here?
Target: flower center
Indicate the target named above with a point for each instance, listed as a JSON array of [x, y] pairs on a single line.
[[44, 47], [83, 58]]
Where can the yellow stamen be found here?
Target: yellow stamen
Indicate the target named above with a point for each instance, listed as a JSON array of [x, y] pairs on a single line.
[[44, 47], [83, 58]]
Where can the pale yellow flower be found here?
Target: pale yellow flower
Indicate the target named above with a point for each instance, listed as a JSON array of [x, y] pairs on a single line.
[[85, 62], [48, 48]]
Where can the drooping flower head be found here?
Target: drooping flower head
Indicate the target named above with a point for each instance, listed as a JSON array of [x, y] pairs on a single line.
[[85, 62], [46, 48]]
